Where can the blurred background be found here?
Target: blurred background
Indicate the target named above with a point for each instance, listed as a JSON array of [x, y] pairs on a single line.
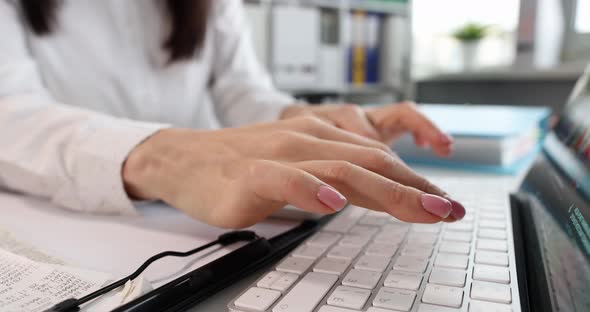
[[508, 52]]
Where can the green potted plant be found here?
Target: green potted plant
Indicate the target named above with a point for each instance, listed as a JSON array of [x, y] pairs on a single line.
[[470, 36]]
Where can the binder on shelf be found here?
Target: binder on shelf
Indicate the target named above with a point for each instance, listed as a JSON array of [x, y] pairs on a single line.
[[364, 52], [295, 46], [395, 60], [331, 59]]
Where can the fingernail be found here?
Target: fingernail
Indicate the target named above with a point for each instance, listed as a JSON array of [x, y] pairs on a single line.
[[458, 211], [445, 138], [436, 205], [331, 198]]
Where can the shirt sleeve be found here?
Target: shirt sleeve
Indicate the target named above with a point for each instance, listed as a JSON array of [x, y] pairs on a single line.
[[242, 90], [48, 149]]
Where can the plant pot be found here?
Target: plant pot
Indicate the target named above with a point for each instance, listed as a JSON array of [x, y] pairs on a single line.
[[469, 52]]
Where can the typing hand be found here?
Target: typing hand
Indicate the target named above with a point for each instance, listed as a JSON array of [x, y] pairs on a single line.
[[384, 123], [236, 177]]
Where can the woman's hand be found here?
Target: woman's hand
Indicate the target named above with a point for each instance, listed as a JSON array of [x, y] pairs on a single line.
[[384, 123], [236, 177]]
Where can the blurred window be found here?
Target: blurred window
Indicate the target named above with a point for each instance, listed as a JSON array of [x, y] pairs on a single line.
[[583, 16], [433, 23]]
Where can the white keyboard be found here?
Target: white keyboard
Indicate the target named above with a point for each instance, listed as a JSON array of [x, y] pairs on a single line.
[[364, 260]]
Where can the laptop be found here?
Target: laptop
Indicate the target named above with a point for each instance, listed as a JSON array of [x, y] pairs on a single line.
[[529, 251]]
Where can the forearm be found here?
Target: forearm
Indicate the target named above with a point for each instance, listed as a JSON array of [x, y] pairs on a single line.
[[70, 156]]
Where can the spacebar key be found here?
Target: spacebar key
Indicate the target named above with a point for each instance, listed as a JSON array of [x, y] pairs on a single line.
[[307, 294]]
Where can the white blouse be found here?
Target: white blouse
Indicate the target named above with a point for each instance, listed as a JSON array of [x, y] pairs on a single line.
[[75, 103]]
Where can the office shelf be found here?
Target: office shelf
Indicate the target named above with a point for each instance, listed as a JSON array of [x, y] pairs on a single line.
[[388, 7], [394, 74]]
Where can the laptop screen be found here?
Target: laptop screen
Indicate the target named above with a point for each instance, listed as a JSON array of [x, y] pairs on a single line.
[[558, 189]]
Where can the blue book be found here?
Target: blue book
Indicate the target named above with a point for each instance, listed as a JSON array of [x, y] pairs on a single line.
[[493, 138]]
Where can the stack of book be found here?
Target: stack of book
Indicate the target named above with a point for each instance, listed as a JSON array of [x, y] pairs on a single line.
[[491, 138]]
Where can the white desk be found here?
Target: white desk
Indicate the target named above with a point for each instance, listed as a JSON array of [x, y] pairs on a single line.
[[118, 245]]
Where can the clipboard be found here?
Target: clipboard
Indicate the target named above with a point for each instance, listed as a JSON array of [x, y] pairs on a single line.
[[98, 246], [194, 287]]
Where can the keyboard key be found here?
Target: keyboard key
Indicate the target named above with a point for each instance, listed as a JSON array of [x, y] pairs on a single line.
[[306, 294], [332, 266], [340, 224], [361, 279], [323, 239], [426, 228], [372, 263], [403, 280], [356, 212], [411, 264], [308, 251], [349, 297], [375, 309], [494, 207], [461, 226], [394, 299], [457, 236], [455, 247], [422, 239], [380, 249], [424, 307], [449, 277], [395, 229], [491, 292], [422, 251], [284, 282], [492, 245], [491, 258], [492, 224], [257, 299], [342, 252], [269, 278], [490, 215], [490, 273], [327, 308], [373, 220], [483, 306], [294, 265], [354, 240], [451, 261], [493, 234], [363, 230], [388, 238], [443, 295]]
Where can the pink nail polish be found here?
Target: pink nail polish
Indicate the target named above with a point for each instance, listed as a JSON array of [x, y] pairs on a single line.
[[331, 198], [436, 205], [458, 211]]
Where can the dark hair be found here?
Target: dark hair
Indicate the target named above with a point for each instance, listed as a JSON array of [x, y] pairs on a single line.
[[188, 20]]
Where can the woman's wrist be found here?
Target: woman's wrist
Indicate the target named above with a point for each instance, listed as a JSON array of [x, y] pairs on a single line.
[[144, 168]]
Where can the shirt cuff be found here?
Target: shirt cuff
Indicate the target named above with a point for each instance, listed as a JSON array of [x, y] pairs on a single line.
[[96, 168]]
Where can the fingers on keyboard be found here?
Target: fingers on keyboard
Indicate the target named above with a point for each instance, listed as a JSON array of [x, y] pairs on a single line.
[[369, 261]]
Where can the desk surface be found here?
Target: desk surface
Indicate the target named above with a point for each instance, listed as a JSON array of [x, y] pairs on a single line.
[[117, 245]]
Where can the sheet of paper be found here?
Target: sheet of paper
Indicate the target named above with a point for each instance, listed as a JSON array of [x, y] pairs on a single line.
[[114, 244], [27, 285]]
